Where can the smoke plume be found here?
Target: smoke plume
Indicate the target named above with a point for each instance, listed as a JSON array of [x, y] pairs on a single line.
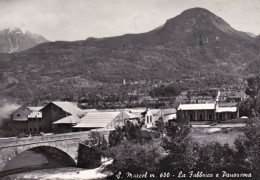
[[7, 107]]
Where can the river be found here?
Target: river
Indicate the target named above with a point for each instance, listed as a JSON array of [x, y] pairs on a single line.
[[31, 165]]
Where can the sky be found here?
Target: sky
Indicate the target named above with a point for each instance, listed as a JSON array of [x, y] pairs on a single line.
[[71, 20]]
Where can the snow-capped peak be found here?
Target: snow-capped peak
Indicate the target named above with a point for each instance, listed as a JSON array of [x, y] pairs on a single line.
[[17, 30]]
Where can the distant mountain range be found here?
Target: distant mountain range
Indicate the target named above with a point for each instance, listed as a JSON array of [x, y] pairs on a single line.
[[15, 40], [195, 43]]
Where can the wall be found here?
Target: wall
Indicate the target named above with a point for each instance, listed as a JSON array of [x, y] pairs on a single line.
[[50, 114], [149, 119], [195, 114], [34, 125], [20, 127], [227, 115], [62, 128], [89, 157], [21, 114], [20, 120]]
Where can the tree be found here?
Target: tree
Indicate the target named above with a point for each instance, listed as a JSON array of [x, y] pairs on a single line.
[[214, 157], [97, 140], [253, 91], [129, 132], [165, 91], [160, 126], [246, 106], [181, 148], [134, 149], [135, 157], [248, 148]]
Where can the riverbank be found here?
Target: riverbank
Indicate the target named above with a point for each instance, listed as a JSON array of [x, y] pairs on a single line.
[[67, 173]]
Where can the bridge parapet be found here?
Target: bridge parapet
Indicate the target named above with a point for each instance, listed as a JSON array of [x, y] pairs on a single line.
[[37, 139]]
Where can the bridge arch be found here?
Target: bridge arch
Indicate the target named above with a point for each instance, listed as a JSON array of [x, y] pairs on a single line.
[[50, 148], [45, 150], [67, 143]]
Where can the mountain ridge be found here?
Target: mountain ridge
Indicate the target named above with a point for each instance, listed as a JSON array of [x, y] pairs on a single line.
[[195, 44]]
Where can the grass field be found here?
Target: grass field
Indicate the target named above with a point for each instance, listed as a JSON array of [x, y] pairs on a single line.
[[221, 135]]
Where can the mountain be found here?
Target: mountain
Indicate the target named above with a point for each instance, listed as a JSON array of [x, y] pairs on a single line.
[[15, 40], [257, 39], [195, 44]]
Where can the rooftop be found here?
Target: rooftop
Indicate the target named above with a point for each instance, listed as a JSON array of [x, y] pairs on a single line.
[[227, 104], [128, 115], [69, 107], [226, 109], [206, 106], [72, 119], [37, 108], [169, 111], [96, 119]]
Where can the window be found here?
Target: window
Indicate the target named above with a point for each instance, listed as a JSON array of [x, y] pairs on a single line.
[[40, 128], [24, 130], [220, 116], [30, 129], [34, 129], [231, 116], [210, 116], [191, 117], [147, 119], [151, 118], [201, 117], [18, 115]]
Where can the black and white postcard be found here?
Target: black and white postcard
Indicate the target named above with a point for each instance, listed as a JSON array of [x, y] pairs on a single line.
[[129, 89]]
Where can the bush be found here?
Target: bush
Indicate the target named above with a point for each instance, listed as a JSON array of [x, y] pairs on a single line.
[[136, 157]]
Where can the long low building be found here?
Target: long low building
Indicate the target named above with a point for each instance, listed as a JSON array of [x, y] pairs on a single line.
[[95, 120], [227, 112], [208, 111]]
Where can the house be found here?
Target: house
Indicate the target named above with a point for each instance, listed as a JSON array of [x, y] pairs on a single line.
[[58, 110], [27, 120], [145, 115], [201, 112], [165, 114], [201, 99], [231, 96], [130, 117], [169, 114], [156, 114], [234, 98]]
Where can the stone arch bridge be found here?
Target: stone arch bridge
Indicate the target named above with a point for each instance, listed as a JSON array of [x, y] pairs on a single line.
[[68, 143]]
